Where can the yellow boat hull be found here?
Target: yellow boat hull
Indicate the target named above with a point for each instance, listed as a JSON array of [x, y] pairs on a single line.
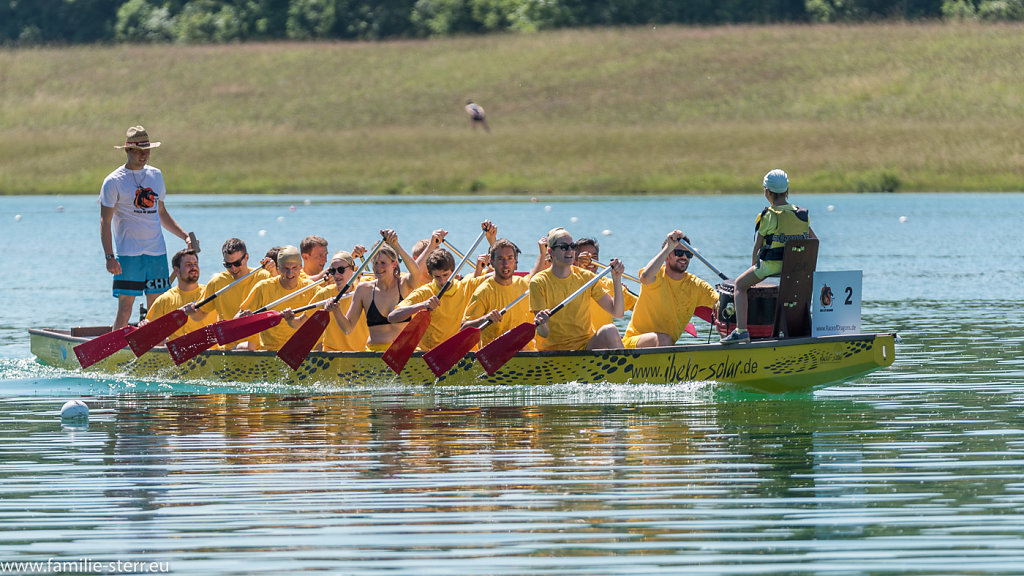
[[772, 366]]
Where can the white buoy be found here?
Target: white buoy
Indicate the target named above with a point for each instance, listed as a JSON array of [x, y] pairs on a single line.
[[292, 208], [534, 199], [307, 201], [606, 232], [262, 232], [574, 219], [60, 208], [903, 219], [547, 208], [280, 218], [17, 217], [74, 410], [831, 208]]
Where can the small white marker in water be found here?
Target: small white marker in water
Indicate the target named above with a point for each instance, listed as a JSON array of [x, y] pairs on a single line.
[[17, 217], [547, 208], [262, 232], [74, 409], [280, 218], [60, 208], [903, 219], [292, 208], [534, 199], [606, 232], [307, 201], [831, 208]]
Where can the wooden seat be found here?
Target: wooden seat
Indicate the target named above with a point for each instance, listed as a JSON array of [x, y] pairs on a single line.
[[796, 282]]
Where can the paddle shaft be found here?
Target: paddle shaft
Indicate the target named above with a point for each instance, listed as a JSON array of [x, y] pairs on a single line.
[[210, 298], [465, 257], [290, 295], [686, 245], [624, 275], [579, 291], [452, 248]]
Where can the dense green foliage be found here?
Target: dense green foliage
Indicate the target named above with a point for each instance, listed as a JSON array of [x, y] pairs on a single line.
[[34, 22]]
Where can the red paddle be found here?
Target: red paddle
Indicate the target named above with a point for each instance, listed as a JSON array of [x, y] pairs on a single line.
[[493, 356], [92, 351], [153, 333], [442, 357], [228, 331], [297, 348], [398, 354]]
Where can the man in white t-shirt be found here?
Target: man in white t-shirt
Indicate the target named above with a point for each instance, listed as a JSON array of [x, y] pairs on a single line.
[[131, 215]]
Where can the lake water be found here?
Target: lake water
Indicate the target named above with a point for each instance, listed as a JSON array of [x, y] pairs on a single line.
[[916, 469]]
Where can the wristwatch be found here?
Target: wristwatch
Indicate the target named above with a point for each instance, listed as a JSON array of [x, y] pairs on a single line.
[[110, 256]]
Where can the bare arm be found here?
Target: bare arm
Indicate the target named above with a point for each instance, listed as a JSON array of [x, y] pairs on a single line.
[[614, 306], [171, 224], [347, 321], [758, 243], [650, 272], [542, 261], [106, 217]]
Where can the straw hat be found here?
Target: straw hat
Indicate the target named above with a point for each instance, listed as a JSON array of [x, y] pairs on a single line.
[[137, 137]]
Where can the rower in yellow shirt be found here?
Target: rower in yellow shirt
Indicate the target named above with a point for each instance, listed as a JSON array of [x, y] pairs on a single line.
[[571, 329], [343, 266], [289, 264], [445, 314], [498, 291], [314, 255], [236, 265], [185, 264], [668, 296], [587, 250]]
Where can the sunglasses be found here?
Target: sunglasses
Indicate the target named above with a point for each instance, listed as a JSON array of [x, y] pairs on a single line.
[[234, 264], [564, 246], [338, 270], [679, 253]]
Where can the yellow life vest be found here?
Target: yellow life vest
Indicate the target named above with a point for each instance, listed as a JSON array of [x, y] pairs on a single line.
[[793, 224]]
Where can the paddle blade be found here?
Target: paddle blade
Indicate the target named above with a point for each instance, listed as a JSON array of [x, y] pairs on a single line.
[[442, 357], [402, 348], [705, 314], [228, 331], [92, 351], [297, 347], [187, 347], [493, 356], [153, 333]]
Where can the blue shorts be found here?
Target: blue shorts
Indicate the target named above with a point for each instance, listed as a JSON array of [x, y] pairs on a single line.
[[141, 275]]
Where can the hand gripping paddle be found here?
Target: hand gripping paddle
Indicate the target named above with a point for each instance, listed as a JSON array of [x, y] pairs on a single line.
[[442, 357], [493, 356], [398, 354]]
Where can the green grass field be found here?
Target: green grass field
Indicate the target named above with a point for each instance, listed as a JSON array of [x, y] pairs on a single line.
[[643, 110]]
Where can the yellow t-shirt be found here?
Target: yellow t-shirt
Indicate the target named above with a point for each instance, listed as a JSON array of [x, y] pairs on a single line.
[[172, 300], [666, 305], [570, 328], [265, 292], [599, 316], [446, 319], [493, 296], [334, 339]]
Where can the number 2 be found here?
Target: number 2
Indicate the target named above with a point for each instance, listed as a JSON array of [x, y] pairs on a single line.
[[849, 296]]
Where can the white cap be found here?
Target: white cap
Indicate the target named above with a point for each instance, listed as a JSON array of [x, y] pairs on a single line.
[[776, 181]]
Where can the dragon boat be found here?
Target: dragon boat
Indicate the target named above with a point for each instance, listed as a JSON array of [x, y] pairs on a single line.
[[766, 365]]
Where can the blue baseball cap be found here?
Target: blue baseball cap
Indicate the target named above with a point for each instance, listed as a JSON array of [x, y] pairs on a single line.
[[776, 181]]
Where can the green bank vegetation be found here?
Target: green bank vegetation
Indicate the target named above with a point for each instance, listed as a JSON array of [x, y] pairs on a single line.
[[933, 107]]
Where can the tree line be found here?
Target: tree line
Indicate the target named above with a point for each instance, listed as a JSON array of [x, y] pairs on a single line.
[[46, 22]]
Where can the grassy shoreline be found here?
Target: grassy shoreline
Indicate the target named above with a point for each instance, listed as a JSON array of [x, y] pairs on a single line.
[[645, 110]]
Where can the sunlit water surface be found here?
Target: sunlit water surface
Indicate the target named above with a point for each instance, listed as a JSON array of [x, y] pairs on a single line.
[[916, 469]]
